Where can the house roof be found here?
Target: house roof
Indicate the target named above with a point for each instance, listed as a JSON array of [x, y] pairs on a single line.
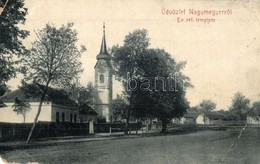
[[85, 109], [191, 115], [214, 116], [10, 97], [59, 97]]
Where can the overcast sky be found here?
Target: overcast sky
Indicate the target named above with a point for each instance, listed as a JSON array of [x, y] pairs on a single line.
[[222, 56]]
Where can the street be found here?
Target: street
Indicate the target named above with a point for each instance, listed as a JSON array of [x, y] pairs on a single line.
[[197, 147]]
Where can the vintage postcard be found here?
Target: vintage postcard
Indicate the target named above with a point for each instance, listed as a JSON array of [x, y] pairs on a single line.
[[120, 81]]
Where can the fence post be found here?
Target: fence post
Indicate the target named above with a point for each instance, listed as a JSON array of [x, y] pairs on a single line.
[[142, 128], [13, 131], [91, 127]]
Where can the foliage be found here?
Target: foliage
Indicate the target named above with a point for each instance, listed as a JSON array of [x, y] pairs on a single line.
[[21, 107], [256, 108], [125, 58], [80, 94], [119, 107], [240, 105], [222, 115], [53, 60], [3, 89], [101, 119], [208, 105], [137, 62], [11, 37], [54, 56]]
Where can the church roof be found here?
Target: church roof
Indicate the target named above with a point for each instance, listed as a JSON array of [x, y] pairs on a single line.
[[103, 49]]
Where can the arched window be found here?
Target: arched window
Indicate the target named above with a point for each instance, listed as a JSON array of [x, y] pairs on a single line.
[[101, 78]]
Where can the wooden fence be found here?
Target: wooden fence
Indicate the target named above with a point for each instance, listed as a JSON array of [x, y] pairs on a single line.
[[20, 131]]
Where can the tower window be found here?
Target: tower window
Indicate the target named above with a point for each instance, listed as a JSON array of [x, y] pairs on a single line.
[[101, 78]]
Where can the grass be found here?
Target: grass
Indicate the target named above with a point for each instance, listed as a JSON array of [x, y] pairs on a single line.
[[201, 146]]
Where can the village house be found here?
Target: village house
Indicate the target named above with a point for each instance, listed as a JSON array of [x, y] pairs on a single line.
[[253, 118], [57, 107], [194, 118]]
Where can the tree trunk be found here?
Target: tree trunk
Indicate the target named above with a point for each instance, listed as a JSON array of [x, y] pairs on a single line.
[[164, 126], [128, 114], [24, 116], [127, 120], [38, 113]]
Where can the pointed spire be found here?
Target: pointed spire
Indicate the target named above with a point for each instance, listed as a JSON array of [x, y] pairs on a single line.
[[103, 49], [104, 29]]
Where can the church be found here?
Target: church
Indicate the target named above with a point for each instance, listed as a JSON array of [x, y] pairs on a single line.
[[103, 82], [53, 111]]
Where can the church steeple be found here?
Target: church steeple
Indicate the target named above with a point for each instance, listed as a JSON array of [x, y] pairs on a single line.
[[103, 82], [103, 49]]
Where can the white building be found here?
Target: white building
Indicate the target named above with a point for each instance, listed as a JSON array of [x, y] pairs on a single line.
[[57, 108], [194, 118], [253, 120]]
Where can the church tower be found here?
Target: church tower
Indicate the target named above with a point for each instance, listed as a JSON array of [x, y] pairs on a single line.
[[103, 81]]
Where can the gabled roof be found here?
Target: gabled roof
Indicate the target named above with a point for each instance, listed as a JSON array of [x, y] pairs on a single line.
[[214, 116], [85, 109], [56, 96], [10, 96], [191, 115]]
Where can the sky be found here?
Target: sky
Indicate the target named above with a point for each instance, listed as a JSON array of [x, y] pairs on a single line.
[[222, 56]]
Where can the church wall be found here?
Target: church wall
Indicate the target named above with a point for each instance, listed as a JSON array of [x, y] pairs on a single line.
[[103, 90]]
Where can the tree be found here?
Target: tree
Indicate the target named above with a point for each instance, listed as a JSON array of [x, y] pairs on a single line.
[[80, 94], [138, 67], [4, 89], [256, 108], [53, 60], [161, 89], [207, 105], [119, 107], [11, 37], [240, 105], [125, 61], [21, 108]]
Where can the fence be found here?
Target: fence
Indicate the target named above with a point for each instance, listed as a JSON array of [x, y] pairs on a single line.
[[17, 131], [228, 123], [116, 127], [20, 131]]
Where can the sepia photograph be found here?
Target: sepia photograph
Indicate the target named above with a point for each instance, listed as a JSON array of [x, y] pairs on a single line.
[[128, 81]]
